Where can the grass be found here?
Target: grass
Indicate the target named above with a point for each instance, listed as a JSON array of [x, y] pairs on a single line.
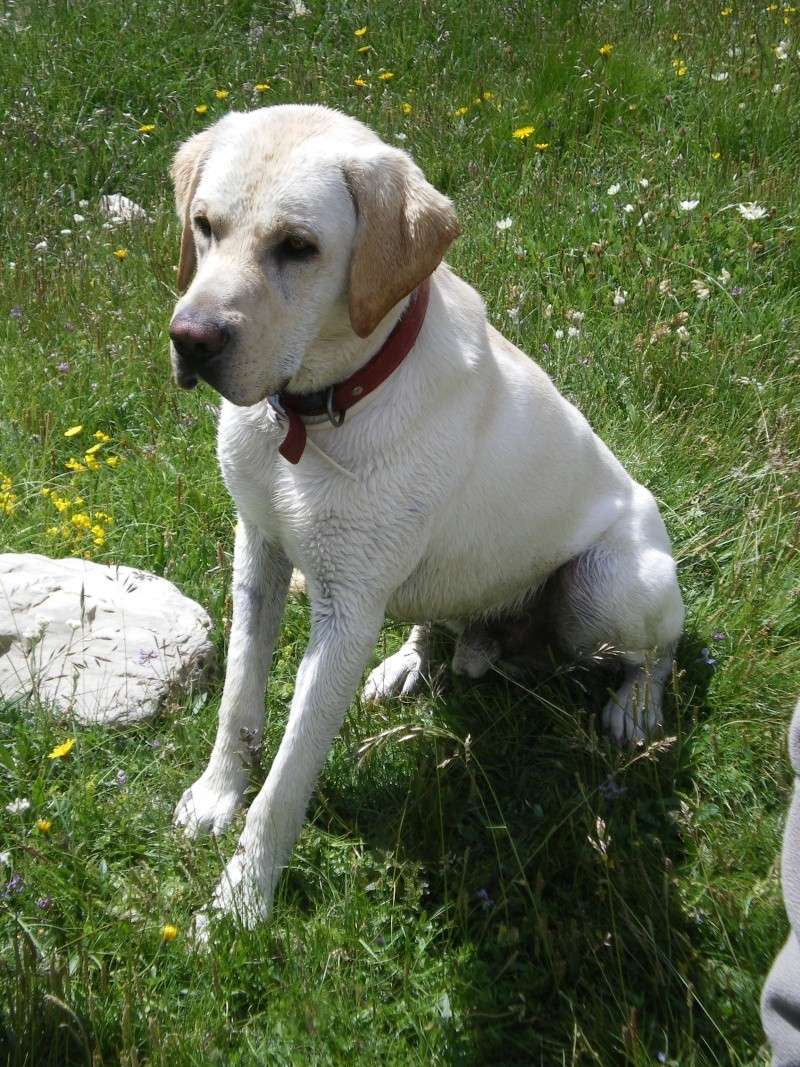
[[492, 884]]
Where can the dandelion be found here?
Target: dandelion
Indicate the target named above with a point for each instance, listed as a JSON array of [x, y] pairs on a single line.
[[169, 932], [681, 70], [752, 211], [612, 190], [63, 749], [121, 253], [726, 12], [385, 76], [542, 146], [18, 806], [147, 128], [688, 205], [261, 87], [523, 132], [73, 431], [715, 156], [360, 31], [201, 109], [606, 49], [406, 108], [359, 82], [222, 94], [504, 224], [44, 826], [460, 112]]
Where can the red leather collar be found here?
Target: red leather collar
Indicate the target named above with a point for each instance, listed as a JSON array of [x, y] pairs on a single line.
[[337, 399]]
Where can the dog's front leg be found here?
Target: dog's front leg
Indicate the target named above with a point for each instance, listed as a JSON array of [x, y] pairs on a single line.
[[260, 582], [343, 636]]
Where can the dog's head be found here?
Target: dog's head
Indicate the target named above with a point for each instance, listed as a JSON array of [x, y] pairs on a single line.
[[297, 221]]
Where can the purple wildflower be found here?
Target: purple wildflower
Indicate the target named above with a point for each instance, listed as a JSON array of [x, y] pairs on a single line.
[[609, 790], [155, 743], [45, 903], [63, 368], [146, 655], [737, 290], [719, 636], [706, 657], [121, 778], [15, 884], [484, 898], [545, 348], [15, 313]]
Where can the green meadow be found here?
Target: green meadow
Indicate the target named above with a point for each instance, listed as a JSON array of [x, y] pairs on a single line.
[[483, 879]]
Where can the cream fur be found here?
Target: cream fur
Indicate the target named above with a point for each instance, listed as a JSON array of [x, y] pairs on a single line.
[[452, 492]]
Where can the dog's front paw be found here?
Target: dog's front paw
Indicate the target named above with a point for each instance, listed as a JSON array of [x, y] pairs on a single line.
[[210, 804], [632, 715], [243, 891], [400, 675]]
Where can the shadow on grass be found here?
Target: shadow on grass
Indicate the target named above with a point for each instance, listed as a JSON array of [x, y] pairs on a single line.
[[554, 857]]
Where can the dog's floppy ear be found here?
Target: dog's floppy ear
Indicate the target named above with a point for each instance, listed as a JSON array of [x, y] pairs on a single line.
[[404, 228], [187, 166]]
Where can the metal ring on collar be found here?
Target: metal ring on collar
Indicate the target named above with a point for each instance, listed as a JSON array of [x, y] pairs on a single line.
[[336, 417]]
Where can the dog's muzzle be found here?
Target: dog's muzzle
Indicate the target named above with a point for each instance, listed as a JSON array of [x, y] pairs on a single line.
[[198, 342]]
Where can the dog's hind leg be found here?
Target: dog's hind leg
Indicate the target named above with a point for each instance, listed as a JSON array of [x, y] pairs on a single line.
[[621, 599], [404, 673]]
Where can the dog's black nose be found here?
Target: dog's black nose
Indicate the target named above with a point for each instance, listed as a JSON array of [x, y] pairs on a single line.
[[197, 340]]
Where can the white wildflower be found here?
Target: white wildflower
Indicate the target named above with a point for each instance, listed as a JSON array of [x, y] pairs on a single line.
[[724, 277], [559, 334], [573, 331], [65, 233], [5, 859], [548, 311], [620, 296], [401, 136], [682, 333], [78, 218], [722, 76], [688, 205], [752, 211], [701, 289], [644, 183], [629, 209], [782, 51], [777, 88], [504, 224], [613, 189], [665, 287], [576, 316], [18, 806], [40, 247], [74, 624], [513, 313]]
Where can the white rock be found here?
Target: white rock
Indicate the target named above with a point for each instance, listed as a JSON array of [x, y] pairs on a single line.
[[104, 644], [120, 209]]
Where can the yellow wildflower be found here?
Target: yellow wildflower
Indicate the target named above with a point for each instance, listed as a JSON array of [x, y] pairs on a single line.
[[112, 461], [91, 462], [261, 87], [98, 435], [99, 535], [726, 11], [541, 147], [121, 253], [488, 95], [360, 32], [95, 448], [359, 82], [522, 132], [44, 825], [169, 932], [676, 37], [222, 94], [103, 516], [147, 128], [406, 108], [460, 112], [45, 491], [606, 49], [62, 750], [60, 503], [201, 109], [73, 465], [772, 7], [73, 431], [385, 76], [715, 155], [364, 48], [8, 498], [681, 70], [81, 521], [52, 531]]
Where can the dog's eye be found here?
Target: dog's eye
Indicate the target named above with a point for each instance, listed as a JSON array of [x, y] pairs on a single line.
[[296, 248], [203, 225]]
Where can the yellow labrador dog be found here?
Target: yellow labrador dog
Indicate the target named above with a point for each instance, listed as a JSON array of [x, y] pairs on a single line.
[[377, 434]]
